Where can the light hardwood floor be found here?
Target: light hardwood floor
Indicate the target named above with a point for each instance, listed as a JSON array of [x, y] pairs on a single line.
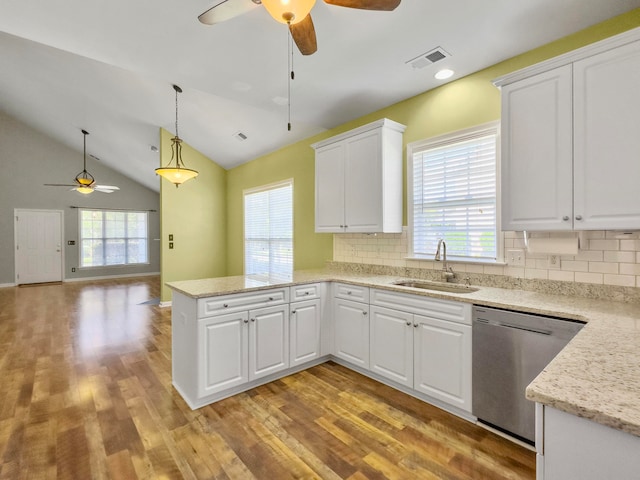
[[86, 393]]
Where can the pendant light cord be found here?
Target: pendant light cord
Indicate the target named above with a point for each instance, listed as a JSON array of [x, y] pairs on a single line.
[[176, 111]]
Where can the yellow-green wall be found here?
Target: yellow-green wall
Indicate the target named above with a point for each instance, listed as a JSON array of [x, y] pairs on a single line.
[[206, 214], [195, 214], [463, 103]]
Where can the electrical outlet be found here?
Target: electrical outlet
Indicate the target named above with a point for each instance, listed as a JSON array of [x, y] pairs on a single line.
[[73, 269], [515, 257], [170, 245], [553, 262]]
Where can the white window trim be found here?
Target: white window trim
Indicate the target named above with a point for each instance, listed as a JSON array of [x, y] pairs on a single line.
[[119, 265], [262, 188], [442, 139]]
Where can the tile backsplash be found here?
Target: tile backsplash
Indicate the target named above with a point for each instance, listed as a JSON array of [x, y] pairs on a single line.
[[604, 257]]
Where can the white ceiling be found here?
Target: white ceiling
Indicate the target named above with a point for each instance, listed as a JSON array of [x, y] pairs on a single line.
[[108, 67]]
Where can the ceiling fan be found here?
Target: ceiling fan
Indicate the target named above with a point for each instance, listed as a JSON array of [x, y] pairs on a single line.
[[84, 181], [295, 13]]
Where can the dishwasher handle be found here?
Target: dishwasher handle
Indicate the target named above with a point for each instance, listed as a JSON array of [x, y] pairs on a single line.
[[511, 325]]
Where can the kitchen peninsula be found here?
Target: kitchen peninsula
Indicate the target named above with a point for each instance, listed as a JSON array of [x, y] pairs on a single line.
[[596, 377]]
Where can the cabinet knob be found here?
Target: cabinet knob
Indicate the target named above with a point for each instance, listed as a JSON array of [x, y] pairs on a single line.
[[349, 292], [225, 305], [415, 325], [565, 218], [364, 313], [253, 319], [293, 312], [246, 321], [307, 293], [578, 217], [408, 324]]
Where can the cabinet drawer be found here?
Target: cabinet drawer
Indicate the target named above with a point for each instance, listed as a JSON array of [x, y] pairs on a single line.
[[351, 292], [305, 292], [457, 312], [242, 301]]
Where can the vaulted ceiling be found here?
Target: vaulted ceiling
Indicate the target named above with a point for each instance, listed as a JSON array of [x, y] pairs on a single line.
[[108, 67]]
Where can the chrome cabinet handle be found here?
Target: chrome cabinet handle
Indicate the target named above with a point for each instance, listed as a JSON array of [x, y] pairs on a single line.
[[578, 217], [565, 218]]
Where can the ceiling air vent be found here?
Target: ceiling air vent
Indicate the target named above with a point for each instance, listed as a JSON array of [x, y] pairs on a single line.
[[428, 58], [240, 136]]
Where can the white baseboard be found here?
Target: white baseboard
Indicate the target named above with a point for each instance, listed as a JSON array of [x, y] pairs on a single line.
[[108, 277], [7, 285], [165, 304]]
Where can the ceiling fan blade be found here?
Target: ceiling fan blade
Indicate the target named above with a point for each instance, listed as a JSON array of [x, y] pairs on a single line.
[[383, 5], [226, 10], [58, 185], [304, 34], [106, 188]]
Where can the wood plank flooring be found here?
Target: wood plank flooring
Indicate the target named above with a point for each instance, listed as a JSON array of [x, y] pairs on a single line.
[[86, 393]]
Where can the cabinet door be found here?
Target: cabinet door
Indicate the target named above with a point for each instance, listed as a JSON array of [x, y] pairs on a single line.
[[330, 188], [391, 344], [442, 355], [222, 352], [304, 332], [351, 332], [268, 341], [363, 183], [537, 154], [607, 140]]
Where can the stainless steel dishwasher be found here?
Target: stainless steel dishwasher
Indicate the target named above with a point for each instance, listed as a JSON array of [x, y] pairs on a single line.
[[509, 350]]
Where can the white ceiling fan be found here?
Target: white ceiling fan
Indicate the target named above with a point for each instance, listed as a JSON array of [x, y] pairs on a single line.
[[295, 13], [84, 181]]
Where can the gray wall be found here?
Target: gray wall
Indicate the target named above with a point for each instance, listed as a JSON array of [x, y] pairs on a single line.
[[28, 159]]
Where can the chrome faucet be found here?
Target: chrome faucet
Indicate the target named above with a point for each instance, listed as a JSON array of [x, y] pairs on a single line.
[[447, 272]]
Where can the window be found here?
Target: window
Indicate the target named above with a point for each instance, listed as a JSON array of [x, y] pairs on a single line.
[[113, 238], [268, 230], [452, 190]]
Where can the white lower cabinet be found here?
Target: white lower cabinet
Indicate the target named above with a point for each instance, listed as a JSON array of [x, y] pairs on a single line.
[[304, 327], [239, 347], [391, 344], [351, 324], [442, 360], [574, 448], [222, 352], [268, 341], [423, 343]]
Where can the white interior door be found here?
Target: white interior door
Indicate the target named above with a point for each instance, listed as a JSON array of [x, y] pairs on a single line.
[[38, 246]]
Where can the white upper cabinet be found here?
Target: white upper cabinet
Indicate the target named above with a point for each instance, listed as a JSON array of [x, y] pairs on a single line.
[[607, 139], [359, 180], [570, 142], [537, 153]]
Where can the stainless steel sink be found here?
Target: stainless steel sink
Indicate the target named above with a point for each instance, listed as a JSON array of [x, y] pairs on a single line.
[[436, 286]]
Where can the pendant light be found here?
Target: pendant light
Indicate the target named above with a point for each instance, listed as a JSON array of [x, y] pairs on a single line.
[[177, 173], [84, 179]]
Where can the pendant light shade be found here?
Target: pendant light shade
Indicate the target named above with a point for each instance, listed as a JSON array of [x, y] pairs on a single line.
[[289, 11], [175, 171]]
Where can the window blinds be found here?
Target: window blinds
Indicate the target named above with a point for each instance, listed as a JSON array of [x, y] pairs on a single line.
[[268, 231], [454, 196]]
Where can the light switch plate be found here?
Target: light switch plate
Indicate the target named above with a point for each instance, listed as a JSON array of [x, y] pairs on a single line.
[[515, 257]]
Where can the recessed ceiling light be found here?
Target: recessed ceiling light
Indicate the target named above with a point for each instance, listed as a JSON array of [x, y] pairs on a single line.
[[444, 74]]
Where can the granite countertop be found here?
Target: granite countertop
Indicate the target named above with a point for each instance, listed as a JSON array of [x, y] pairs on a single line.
[[596, 376]]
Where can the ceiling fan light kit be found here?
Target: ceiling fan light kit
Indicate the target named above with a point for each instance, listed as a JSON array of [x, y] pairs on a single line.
[[289, 11], [176, 171]]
